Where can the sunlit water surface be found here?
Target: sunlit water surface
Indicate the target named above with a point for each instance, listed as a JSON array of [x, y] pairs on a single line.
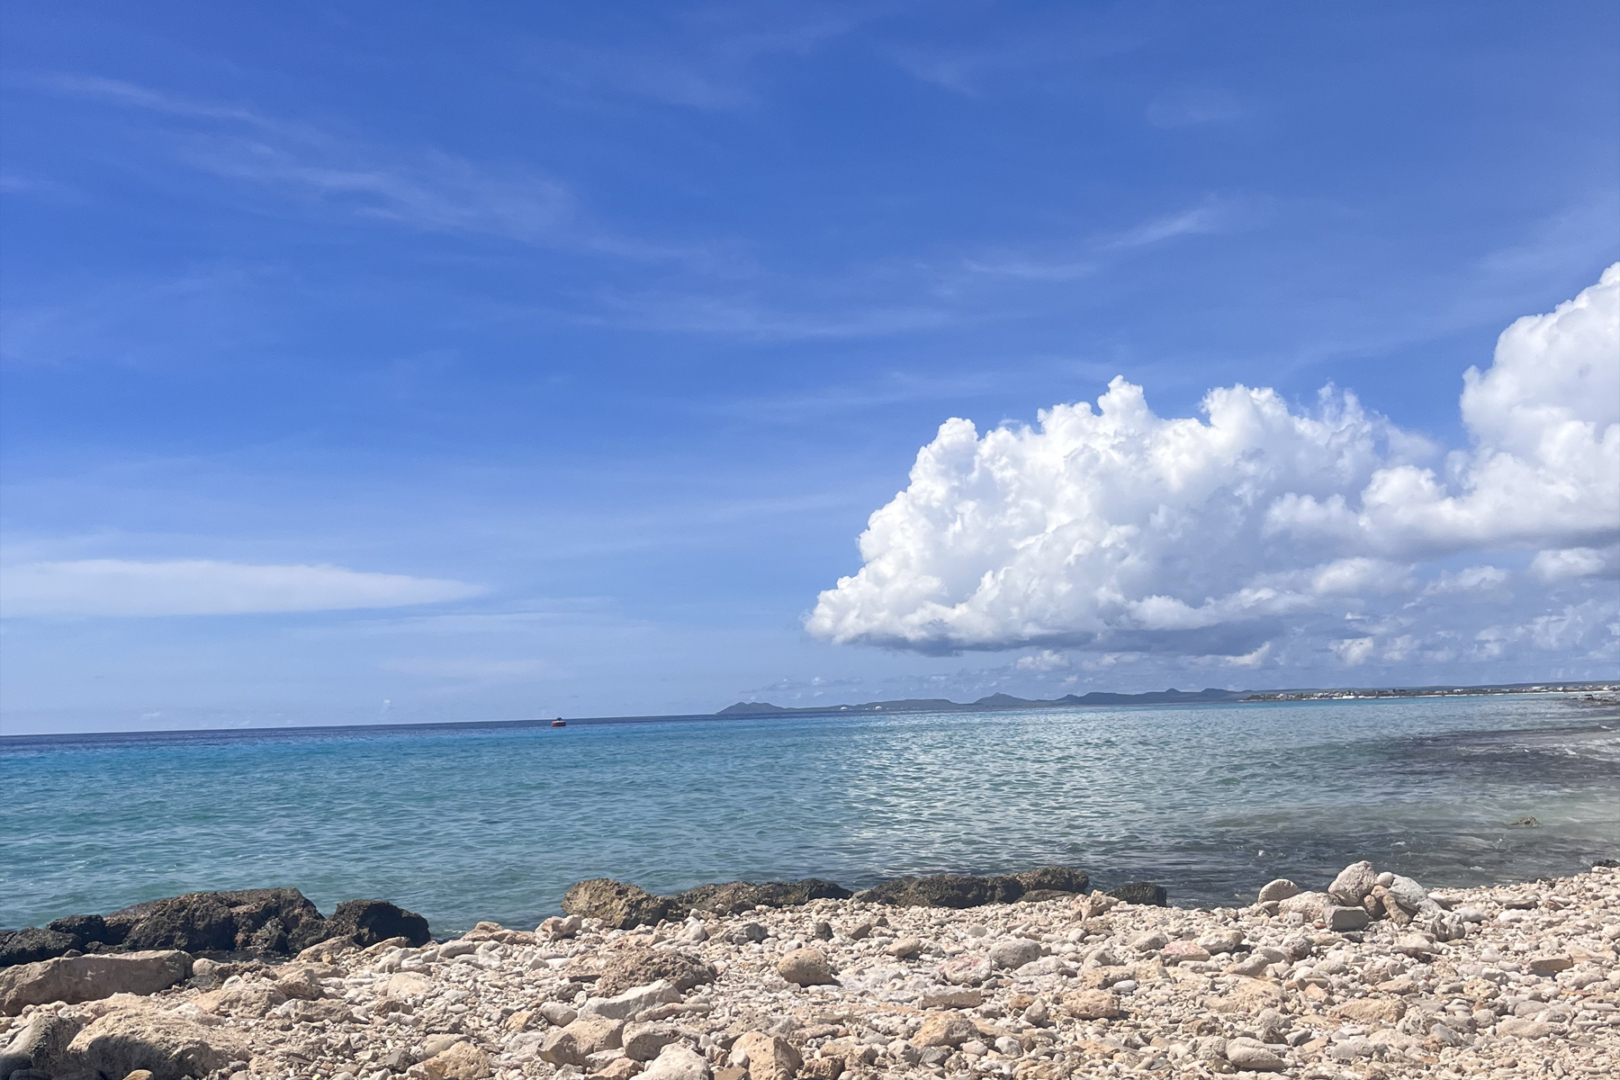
[[469, 823]]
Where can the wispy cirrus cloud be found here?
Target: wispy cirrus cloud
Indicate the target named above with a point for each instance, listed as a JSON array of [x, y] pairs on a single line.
[[1195, 107], [129, 588], [1213, 215], [723, 52], [426, 190], [748, 317]]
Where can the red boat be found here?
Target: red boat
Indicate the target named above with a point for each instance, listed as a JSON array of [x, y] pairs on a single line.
[[559, 722]]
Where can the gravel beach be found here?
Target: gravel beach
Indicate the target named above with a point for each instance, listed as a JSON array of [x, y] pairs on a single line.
[[1368, 976]]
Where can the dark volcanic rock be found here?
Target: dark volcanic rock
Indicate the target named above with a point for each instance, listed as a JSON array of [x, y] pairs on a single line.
[[370, 921], [1054, 879], [87, 928], [640, 965], [270, 921], [195, 922], [945, 891], [1141, 892], [31, 944], [620, 906], [732, 897], [1040, 896], [274, 920]]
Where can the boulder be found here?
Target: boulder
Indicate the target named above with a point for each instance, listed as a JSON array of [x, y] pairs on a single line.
[[1092, 1004], [906, 948], [460, 1061], [170, 1047], [1523, 1027], [1407, 893], [370, 922], [41, 1045], [1053, 879], [946, 891], [557, 1013], [951, 999], [269, 921], [31, 945], [1379, 904], [1549, 965], [87, 928], [1253, 1055], [1353, 884], [1177, 952], [1142, 892], [950, 1029], [969, 969], [620, 906], [278, 921], [583, 1037], [1217, 942], [636, 999], [1277, 889], [299, 981], [1417, 946], [766, 1057], [243, 1000], [642, 1042], [619, 1068], [1308, 904], [640, 966], [558, 928], [1367, 1010], [677, 1062], [1341, 919], [1014, 952], [806, 967], [73, 979], [735, 897], [1098, 903], [195, 922]]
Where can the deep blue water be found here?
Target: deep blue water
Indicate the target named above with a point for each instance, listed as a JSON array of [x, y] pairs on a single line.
[[469, 823]]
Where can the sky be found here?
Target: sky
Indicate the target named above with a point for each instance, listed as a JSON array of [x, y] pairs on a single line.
[[413, 362]]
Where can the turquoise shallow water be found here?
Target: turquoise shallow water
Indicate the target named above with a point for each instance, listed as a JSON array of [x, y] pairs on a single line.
[[494, 822]]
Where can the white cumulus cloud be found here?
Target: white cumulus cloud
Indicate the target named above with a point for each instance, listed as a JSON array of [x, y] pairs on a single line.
[[1115, 529], [120, 587]]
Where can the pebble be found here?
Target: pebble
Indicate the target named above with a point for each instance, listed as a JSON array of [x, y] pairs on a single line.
[[1014, 952], [1253, 1055], [1110, 990], [805, 967], [1276, 890]]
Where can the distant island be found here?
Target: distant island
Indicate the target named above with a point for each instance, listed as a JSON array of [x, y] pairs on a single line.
[[1208, 695]]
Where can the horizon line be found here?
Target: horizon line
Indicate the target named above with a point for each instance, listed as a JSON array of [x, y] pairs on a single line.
[[1546, 686]]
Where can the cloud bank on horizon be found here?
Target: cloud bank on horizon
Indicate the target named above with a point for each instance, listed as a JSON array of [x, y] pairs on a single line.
[[1261, 531]]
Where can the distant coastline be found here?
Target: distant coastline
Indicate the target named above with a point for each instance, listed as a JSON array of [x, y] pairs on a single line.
[[764, 710], [1208, 695]]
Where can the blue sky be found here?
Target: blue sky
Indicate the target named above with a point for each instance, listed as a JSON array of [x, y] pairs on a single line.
[[585, 339]]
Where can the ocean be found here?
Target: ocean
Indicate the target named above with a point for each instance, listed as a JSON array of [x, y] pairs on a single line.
[[470, 822]]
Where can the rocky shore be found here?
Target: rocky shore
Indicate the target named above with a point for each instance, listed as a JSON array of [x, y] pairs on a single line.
[[1370, 976]]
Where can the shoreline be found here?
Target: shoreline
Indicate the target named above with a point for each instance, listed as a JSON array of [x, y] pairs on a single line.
[[1110, 884], [1504, 980]]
